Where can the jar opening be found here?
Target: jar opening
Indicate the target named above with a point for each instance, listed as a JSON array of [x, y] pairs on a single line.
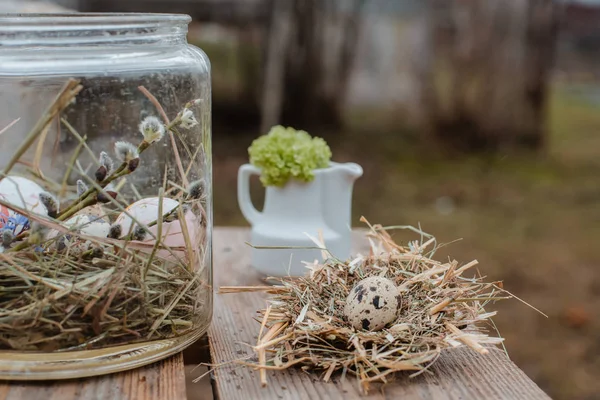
[[56, 29], [58, 19]]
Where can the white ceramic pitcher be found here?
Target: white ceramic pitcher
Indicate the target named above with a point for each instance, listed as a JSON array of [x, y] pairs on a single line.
[[323, 204]]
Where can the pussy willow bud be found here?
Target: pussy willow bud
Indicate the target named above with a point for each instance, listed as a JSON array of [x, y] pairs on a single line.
[[139, 233], [106, 161], [188, 120], [115, 231], [152, 129], [105, 168], [7, 237], [62, 242], [196, 190], [101, 173], [133, 164], [125, 151], [105, 195], [81, 187], [94, 252], [50, 202]]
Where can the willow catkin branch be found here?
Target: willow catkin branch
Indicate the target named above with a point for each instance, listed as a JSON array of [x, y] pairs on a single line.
[[63, 187], [160, 109], [88, 198]]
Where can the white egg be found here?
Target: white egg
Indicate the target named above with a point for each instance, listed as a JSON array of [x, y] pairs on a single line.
[[20, 192], [95, 211], [85, 224], [145, 211], [23, 193], [372, 304], [88, 225]]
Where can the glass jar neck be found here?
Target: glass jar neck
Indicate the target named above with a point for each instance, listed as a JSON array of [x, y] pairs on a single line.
[[91, 29]]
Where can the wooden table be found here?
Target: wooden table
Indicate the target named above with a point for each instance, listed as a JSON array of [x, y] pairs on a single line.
[[459, 374]]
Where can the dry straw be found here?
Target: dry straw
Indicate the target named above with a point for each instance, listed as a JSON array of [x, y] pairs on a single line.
[[443, 306], [56, 297]]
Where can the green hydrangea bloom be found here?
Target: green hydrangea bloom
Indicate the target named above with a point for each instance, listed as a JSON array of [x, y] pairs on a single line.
[[286, 153]]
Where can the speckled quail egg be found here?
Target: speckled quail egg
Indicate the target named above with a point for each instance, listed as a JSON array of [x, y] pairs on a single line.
[[145, 211], [372, 304]]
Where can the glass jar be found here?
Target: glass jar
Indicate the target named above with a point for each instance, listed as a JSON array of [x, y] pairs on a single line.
[[105, 193]]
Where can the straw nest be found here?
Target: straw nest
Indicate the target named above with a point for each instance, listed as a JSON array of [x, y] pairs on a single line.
[[443, 306]]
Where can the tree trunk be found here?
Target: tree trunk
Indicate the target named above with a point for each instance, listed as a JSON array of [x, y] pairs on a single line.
[[316, 60], [485, 84], [278, 38]]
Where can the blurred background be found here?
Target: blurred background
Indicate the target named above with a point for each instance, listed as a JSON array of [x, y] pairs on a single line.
[[477, 119]]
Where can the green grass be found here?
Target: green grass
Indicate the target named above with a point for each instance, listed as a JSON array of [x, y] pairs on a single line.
[[574, 124]]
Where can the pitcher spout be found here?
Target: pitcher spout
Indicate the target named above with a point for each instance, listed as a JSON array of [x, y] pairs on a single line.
[[337, 195], [352, 170]]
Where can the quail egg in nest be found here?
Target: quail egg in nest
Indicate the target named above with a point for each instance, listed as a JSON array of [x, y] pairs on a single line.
[[372, 304]]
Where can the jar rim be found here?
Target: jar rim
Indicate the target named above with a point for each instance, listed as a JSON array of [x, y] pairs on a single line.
[[61, 30], [91, 18]]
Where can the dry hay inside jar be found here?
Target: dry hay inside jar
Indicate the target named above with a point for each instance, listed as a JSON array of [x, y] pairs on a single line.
[[73, 275], [304, 324], [117, 292], [64, 289]]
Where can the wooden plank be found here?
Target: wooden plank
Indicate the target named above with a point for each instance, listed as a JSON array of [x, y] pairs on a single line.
[[164, 380], [459, 374]]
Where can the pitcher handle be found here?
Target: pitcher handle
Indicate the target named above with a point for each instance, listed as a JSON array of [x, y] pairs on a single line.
[[245, 202]]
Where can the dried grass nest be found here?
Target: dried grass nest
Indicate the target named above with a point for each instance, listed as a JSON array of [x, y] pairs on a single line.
[[304, 324]]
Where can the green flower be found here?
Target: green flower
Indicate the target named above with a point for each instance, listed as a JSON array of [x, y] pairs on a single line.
[[286, 153]]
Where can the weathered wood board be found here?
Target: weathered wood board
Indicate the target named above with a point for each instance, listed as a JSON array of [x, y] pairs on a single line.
[[164, 380]]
